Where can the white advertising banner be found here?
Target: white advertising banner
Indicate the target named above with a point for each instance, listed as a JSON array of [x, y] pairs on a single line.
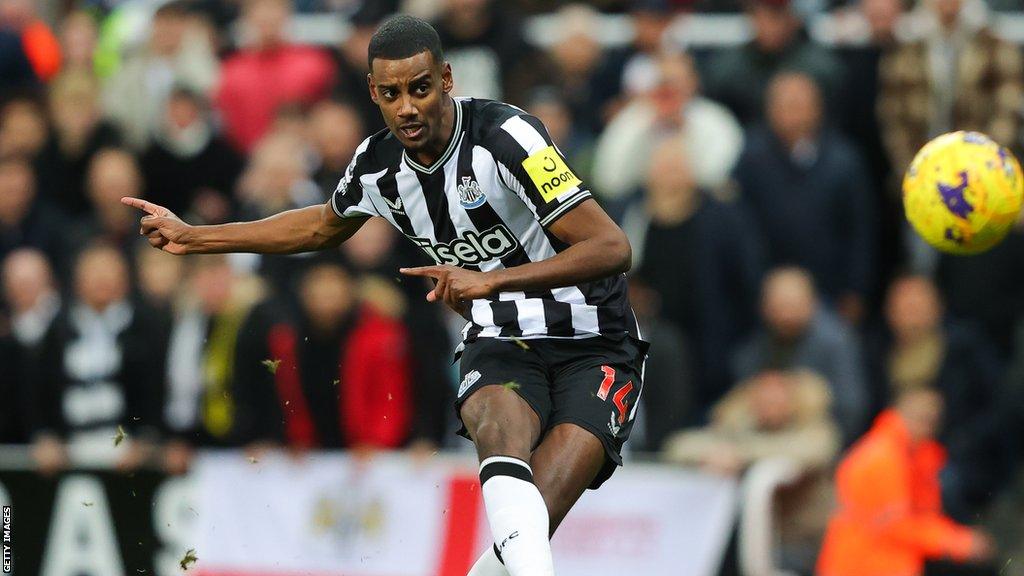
[[328, 515]]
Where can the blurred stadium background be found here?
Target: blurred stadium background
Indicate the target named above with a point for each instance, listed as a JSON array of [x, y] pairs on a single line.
[[291, 415]]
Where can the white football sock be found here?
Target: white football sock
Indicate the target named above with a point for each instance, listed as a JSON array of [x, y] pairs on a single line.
[[488, 565], [517, 515]]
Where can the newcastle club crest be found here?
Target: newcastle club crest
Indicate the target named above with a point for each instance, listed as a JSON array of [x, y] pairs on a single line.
[[470, 195]]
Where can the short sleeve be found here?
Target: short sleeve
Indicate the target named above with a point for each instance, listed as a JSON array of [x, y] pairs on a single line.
[[348, 200], [532, 166]]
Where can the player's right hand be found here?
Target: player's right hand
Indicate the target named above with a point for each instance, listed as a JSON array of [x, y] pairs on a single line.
[[161, 227]]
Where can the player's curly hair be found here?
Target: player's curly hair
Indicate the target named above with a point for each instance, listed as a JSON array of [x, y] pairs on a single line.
[[403, 36]]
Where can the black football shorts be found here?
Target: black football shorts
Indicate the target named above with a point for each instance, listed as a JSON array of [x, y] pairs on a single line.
[[594, 383]]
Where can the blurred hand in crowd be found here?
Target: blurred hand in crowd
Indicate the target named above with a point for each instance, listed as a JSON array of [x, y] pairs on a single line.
[[49, 455]]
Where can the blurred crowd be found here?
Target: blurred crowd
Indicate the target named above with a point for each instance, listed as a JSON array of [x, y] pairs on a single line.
[[791, 312]]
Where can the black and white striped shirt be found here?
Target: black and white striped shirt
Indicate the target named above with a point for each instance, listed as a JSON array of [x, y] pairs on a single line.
[[487, 203]]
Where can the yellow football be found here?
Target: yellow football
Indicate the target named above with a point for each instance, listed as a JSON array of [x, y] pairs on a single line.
[[963, 192]]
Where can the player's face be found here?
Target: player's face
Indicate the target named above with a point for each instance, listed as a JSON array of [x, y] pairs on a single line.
[[411, 95]]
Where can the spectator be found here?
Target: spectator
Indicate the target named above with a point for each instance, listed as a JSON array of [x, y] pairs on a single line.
[[350, 86], [277, 179], [342, 373], [773, 415], [336, 131], [32, 302], [483, 41], [78, 40], [956, 76], [739, 77], [921, 351], [874, 27], [797, 332], [30, 292], [23, 129], [575, 56], [667, 407], [102, 366], [26, 221], [113, 174], [700, 256], [79, 132], [16, 71], [160, 276], [201, 408], [188, 168], [986, 288], [268, 73], [670, 107], [568, 133], [374, 253], [810, 195], [629, 69], [177, 54], [889, 518]]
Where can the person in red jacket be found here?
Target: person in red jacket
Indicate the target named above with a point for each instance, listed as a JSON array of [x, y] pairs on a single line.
[[334, 374], [889, 519], [268, 73]]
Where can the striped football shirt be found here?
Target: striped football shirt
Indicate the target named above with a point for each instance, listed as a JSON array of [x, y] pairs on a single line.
[[486, 203]]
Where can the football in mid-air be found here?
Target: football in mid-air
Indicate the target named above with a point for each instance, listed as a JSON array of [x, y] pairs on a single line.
[[963, 192]]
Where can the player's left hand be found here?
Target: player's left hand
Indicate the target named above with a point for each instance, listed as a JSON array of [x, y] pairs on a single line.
[[455, 286]]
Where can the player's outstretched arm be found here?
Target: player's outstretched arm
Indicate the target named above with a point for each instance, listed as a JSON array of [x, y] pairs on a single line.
[[290, 232]]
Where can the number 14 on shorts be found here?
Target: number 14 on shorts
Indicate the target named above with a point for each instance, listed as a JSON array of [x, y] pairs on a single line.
[[619, 398]]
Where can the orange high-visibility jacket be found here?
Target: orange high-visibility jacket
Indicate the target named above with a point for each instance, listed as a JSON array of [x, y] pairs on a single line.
[[889, 517]]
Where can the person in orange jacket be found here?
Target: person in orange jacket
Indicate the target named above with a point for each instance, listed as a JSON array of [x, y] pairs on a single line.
[[889, 519]]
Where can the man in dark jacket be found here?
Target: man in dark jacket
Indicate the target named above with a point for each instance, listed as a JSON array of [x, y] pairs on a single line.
[[701, 256], [810, 195]]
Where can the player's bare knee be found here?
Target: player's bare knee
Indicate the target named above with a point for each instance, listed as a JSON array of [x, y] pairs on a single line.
[[500, 423]]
